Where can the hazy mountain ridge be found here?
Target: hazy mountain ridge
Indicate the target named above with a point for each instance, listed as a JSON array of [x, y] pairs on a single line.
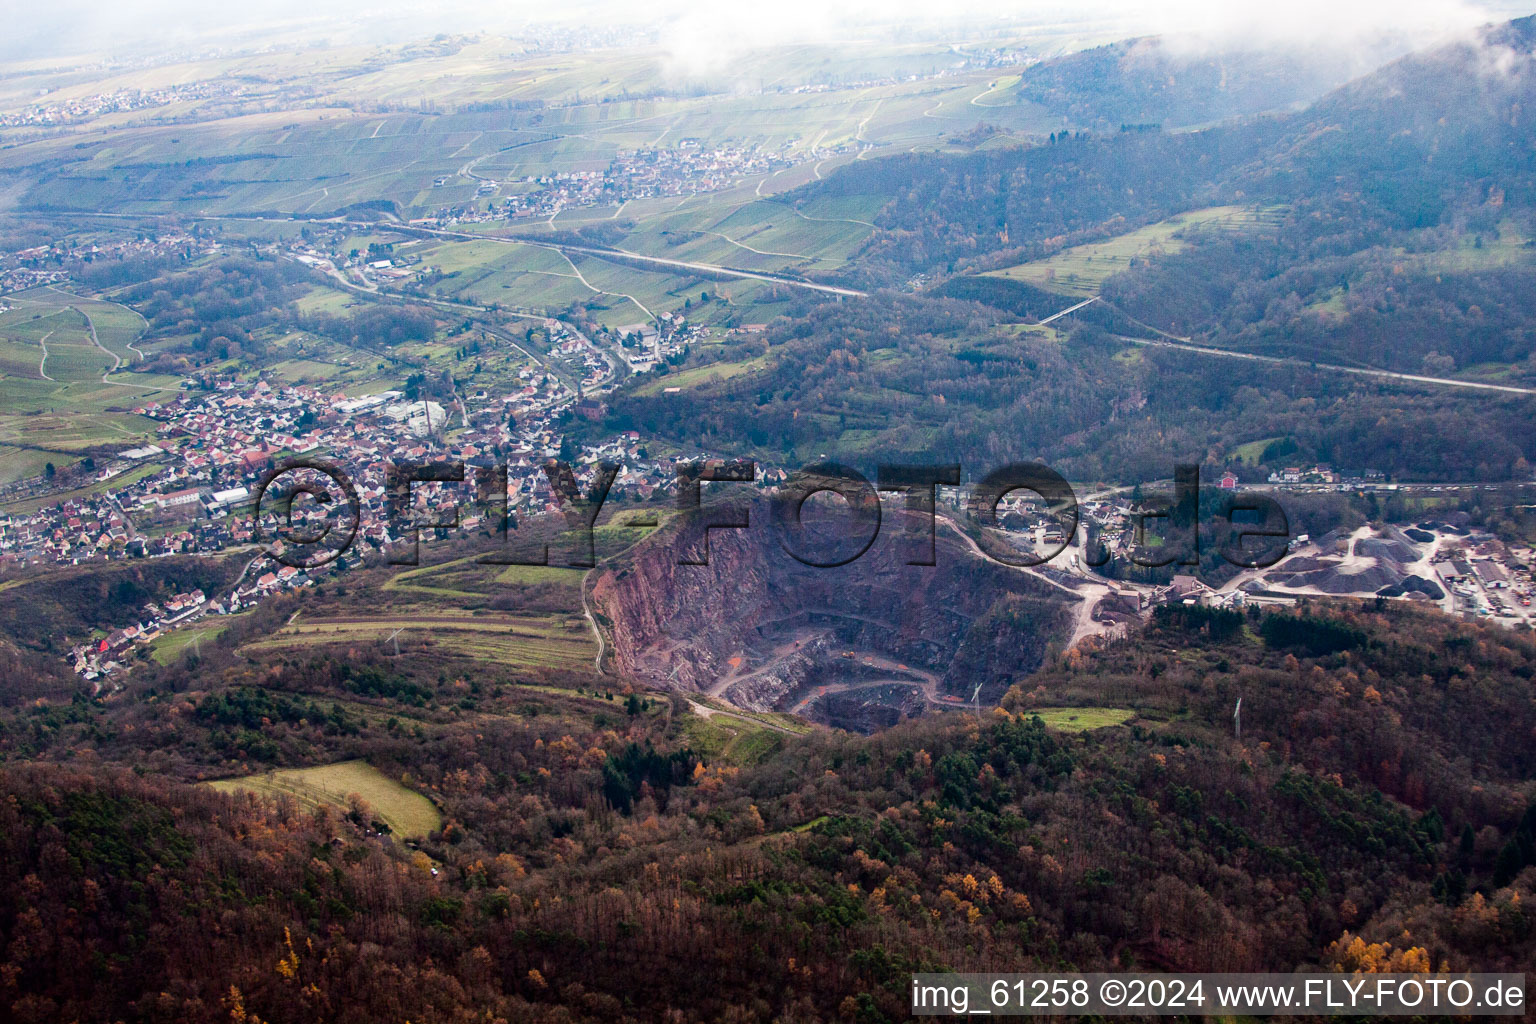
[[1424, 132], [1154, 81]]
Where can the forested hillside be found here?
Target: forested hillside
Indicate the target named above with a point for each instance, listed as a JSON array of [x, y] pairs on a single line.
[[593, 867], [1392, 225], [995, 206], [922, 378], [1403, 210]]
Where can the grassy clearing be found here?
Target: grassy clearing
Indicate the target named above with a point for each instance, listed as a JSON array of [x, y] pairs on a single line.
[[408, 814], [535, 575], [21, 463], [470, 571], [731, 740], [1475, 251], [700, 375], [170, 646], [1332, 305], [1083, 269], [327, 300], [1083, 719], [1253, 451], [1037, 332]]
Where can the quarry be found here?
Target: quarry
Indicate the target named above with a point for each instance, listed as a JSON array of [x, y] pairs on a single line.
[[860, 645]]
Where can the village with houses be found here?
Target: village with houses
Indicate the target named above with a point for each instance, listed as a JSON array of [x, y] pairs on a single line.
[[690, 167], [66, 111], [60, 262], [192, 490]]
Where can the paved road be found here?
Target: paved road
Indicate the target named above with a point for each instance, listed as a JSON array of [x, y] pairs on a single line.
[[1412, 378], [1069, 309], [467, 236], [1185, 345], [627, 254]]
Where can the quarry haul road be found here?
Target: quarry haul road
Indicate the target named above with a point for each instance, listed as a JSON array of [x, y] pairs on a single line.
[[1083, 624], [902, 675]]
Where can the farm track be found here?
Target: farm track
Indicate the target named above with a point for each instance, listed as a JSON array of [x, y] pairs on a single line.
[[597, 633], [43, 362], [117, 360], [603, 291], [705, 711], [822, 220], [467, 623], [763, 252]]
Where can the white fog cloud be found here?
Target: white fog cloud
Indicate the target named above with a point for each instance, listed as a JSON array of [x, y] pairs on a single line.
[[707, 36]]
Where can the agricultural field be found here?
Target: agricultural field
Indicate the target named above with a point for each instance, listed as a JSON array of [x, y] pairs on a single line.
[[50, 343], [303, 358], [58, 393], [1082, 270], [51, 335], [328, 300], [613, 292], [757, 235], [523, 642], [467, 577], [323, 159], [408, 814]]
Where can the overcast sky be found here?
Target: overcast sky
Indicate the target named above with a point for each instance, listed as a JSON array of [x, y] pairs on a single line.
[[706, 30]]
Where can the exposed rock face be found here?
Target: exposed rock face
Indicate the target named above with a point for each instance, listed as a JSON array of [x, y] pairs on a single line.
[[757, 626], [868, 709]]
